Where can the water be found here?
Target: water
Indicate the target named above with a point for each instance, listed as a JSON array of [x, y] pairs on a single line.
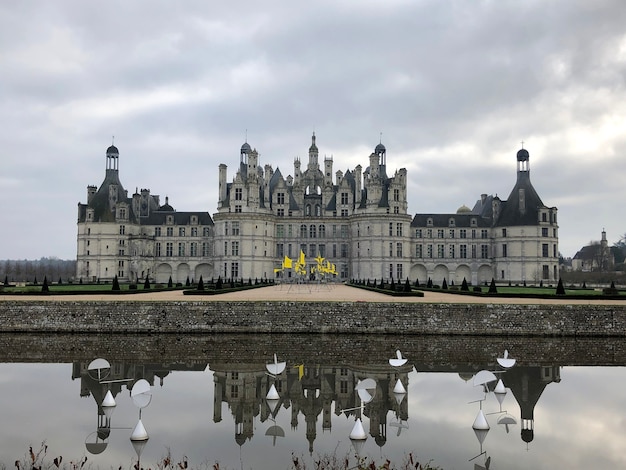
[[209, 400]]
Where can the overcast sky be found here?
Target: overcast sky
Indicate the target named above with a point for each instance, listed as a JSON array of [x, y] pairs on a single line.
[[453, 86]]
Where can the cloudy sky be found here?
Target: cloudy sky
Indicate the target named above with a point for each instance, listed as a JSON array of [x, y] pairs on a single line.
[[454, 87]]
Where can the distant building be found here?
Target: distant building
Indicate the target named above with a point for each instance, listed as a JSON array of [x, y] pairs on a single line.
[[358, 220], [597, 256]]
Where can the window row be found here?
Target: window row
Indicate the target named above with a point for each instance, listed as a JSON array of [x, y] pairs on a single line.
[[312, 250], [452, 233], [195, 249], [181, 232], [453, 251]]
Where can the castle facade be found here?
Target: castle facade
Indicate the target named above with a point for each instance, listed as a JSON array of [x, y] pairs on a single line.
[[358, 221]]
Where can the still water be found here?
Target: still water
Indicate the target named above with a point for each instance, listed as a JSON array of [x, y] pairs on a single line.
[[564, 398]]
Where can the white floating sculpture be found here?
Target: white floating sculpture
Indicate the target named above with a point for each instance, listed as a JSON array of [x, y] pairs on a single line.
[[398, 360], [139, 433], [484, 377], [506, 361], [272, 394], [276, 368]]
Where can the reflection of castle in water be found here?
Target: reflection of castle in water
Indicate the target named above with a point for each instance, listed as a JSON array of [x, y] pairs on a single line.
[[311, 390], [308, 391]]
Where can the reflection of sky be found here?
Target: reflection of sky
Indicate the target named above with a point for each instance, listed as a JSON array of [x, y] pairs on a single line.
[[578, 423]]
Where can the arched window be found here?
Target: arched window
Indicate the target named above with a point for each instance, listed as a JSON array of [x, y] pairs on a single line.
[[307, 210], [318, 210], [302, 231], [322, 231]]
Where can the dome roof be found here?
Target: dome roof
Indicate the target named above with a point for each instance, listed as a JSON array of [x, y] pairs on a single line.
[[112, 149], [463, 209], [245, 148], [522, 155], [380, 148]]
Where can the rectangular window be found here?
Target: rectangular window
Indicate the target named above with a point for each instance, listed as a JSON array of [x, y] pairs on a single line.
[[206, 232], [120, 253], [391, 229], [418, 251], [235, 228], [473, 251], [344, 198], [544, 231], [504, 232], [193, 249], [544, 250], [390, 270], [396, 195], [225, 252], [234, 248], [344, 231], [390, 250], [238, 209], [234, 270], [238, 194], [484, 233], [344, 250], [429, 251], [322, 250], [473, 233], [181, 231], [546, 272], [484, 251], [396, 210], [429, 233], [441, 251], [399, 250], [451, 235], [157, 249], [554, 252], [205, 249], [157, 231], [463, 233], [418, 233], [504, 251], [451, 251], [280, 198], [334, 251], [280, 230], [122, 229], [194, 231], [440, 233], [462, 251], [344, 212], [399, 229], [169, 249], [181, 249], [280, 212], [399, 274], [170, 231]]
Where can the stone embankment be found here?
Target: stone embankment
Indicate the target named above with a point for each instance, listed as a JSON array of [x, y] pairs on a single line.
[[287, 316]]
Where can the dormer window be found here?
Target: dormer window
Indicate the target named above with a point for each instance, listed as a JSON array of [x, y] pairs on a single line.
[[429, 222], [451, 223], [473, 222]]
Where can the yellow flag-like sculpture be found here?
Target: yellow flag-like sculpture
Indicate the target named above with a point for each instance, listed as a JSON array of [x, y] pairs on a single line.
[[300, 267]]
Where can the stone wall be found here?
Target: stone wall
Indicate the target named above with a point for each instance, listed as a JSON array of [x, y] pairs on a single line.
[[311, 317]]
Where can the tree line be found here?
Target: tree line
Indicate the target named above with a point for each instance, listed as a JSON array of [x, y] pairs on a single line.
[[31, 271]]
